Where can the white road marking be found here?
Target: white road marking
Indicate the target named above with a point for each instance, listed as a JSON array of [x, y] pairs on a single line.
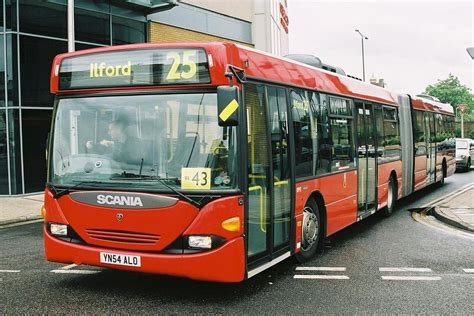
[[468, 270], [9, 271], [320, 269], [405, 270], [321, 277], [410, 278], [75, 271]]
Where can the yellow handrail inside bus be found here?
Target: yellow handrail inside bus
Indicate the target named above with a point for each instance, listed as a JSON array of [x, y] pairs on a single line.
[[263, 217]]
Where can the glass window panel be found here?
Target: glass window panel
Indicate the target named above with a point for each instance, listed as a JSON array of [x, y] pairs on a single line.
[[127, 31], [2, 72], [36, 57], [324, 138], [258, 169], [343, 144], [14, 146], [302, 130], [10, 15], [92, 26], [379, 133], [1, 16], [3, 154], [391, 143], [12, 70], [35, 128], [340, 106], [419, 134], [151, 136], [81, 46], [43, 17]]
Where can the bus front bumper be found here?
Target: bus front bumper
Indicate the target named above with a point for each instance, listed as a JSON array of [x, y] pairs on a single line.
[[224, 264]]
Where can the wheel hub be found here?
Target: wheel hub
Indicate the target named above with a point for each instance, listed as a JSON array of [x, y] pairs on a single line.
[[310, 229]]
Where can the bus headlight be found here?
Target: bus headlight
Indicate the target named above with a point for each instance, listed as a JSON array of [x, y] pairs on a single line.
[[201, 242], [58, 229]]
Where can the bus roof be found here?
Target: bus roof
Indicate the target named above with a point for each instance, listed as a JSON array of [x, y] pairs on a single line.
[[257, 65], [425, 104]]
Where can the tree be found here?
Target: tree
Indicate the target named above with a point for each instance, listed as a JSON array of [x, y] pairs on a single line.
[[453, 92]]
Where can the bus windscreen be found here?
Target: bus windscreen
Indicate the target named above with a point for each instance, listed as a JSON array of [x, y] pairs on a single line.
[[135, 68]]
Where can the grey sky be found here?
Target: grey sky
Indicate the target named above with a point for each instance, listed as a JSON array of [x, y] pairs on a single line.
[[411, 43]]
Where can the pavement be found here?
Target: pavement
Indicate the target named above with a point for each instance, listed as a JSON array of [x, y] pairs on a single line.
[[20, 208], [456, 209]]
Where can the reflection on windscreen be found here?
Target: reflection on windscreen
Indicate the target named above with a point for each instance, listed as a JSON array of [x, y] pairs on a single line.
[[136, 140]]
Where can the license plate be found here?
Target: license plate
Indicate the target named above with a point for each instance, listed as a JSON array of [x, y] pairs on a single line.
[[120, 259]]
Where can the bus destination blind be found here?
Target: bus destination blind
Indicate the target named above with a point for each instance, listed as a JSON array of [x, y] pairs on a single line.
[[134, 68]]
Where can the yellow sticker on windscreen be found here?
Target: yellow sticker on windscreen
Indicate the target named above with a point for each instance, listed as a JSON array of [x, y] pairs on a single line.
[[196, 178]]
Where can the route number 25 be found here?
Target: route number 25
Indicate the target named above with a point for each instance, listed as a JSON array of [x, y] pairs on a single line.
[[185, 60]]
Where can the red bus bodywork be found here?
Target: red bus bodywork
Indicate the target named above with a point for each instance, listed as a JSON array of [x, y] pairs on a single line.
[[228, 262]]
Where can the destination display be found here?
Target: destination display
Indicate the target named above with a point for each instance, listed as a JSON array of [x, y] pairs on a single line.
[[135, 68]]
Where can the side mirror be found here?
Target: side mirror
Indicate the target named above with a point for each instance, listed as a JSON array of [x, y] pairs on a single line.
[[227, 105]]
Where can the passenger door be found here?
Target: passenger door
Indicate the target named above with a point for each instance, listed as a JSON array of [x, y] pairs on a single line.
[[270, 205], [367, 159]]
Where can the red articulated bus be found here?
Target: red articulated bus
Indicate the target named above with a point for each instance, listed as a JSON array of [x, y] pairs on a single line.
[[214, 161]]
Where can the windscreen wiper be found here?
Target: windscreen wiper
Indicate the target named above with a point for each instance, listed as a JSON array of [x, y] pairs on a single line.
[[58, 193], [132, 176]]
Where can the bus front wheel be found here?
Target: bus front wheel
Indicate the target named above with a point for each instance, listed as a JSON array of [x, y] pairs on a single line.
[[310, 232]]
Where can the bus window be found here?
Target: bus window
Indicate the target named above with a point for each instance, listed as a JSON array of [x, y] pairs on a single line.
[[315, 119], [302, 130], [380, 135], [324, 138], [391, 140], [419, 134], [341, 134], [115, 138]]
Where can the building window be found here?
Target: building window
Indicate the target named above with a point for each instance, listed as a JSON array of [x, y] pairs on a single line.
[[14, 141], [3, 153], [92, 26], [36, 57], [126, 31], [35, 128], [12, 70], [43, 17]]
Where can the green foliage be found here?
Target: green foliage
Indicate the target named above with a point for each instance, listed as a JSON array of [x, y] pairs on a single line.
[[453, 92]]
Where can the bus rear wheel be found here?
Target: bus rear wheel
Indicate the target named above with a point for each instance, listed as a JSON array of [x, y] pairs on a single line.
[[310, 232]]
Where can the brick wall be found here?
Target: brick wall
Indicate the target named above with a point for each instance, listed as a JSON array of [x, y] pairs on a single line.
[[159, 33]]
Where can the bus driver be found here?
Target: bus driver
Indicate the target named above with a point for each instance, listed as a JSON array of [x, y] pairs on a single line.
[[116, 147]]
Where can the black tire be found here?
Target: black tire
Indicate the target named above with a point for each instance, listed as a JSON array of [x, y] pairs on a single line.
[[468, 165], [392, 197], [311, 231]]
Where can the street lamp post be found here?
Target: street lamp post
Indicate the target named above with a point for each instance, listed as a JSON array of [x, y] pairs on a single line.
[[70, 26], [362, 37], [462, 108]]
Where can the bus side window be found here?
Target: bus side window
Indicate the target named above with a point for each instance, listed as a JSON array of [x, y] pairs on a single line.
[[342, 151], [324, 138], [391, 134], [302, 130]]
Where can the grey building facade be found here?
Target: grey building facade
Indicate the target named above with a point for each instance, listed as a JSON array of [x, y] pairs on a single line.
[[32, 32]]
